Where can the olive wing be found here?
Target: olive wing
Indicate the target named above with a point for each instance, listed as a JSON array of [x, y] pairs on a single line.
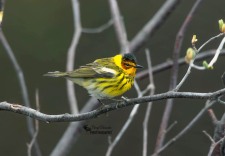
[[93, 70]]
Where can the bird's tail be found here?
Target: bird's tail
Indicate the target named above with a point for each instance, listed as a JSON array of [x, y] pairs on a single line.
[[56, 74]]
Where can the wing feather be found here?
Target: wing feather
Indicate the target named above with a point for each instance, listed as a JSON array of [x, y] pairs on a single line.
[[101, 68]]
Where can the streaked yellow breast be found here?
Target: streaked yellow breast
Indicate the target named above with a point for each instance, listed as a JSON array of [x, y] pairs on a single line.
[[102, 88]]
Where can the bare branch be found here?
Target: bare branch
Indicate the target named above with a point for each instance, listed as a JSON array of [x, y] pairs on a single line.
[[174, 75], [30, 145], [123, 130], [217, 53], [221, 102], [212, 116], [141, 38], [168, 64], [217, 144], [171, 127], [134, 111], [71, 134], [119, 26], [191, 64], [23, 87], [184, 77], [66, 141], [208, 41], [149, 107], [71, 56], [110, 107], [209, 136], [99, 29], [127, 123], [19, 73], [187, 128], [213, 144]]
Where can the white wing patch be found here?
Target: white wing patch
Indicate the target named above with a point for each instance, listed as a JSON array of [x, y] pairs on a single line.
[[108, 70]]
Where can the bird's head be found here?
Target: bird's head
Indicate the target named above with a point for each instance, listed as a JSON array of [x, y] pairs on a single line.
[[128, 63]]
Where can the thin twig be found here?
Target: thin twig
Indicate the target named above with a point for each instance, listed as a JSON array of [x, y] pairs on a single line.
[[73, 131], [213, 146], [168, 64], [213, 143], [197, 67], [192, 65], [23, 87], [20, 75], [149, 107], [71, 56], [127, 123], [174, 75], [123, 130], [184, 77], [30, 145], [208, 41], [99, 29], [218, 136], [212, 116], [119, 26], [209, 136], [187, 127], [171, 126], [217, 53], [220, 101]]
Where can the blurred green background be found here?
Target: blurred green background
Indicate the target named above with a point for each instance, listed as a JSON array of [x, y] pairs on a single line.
[[40, 32]]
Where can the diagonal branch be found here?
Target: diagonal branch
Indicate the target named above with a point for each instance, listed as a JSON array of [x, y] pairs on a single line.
[[23, 87], [174, 75], [141, 38], [72, 133], [187, 128], [126, 124]]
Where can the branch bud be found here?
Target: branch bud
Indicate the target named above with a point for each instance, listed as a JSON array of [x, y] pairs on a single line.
[[194, 39], [190, 55], [221, 26], [206, 65]]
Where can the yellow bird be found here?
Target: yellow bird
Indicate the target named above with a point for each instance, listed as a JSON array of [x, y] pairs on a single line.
[[105, 78]]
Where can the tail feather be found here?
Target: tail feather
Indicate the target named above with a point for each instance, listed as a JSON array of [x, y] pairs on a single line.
[[56, 74]]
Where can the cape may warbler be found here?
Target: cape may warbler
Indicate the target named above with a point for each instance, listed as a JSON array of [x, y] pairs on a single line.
[[105, 78]]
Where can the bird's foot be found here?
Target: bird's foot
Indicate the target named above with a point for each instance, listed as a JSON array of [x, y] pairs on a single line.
[[125, 99]]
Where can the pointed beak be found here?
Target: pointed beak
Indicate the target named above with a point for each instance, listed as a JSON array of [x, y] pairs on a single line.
[[139, 66]]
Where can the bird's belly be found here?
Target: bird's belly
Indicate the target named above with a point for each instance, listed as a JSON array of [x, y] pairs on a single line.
[[104, 88], [108, 93]]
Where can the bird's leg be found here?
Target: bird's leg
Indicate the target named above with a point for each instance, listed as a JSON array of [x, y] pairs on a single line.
[[125, 99], [102, 105], [120, 100], [101, 102]]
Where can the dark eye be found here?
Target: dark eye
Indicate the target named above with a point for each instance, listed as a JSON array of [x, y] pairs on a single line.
[[127, 65]]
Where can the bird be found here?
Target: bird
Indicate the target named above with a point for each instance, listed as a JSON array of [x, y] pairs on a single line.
[[105, 78]]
